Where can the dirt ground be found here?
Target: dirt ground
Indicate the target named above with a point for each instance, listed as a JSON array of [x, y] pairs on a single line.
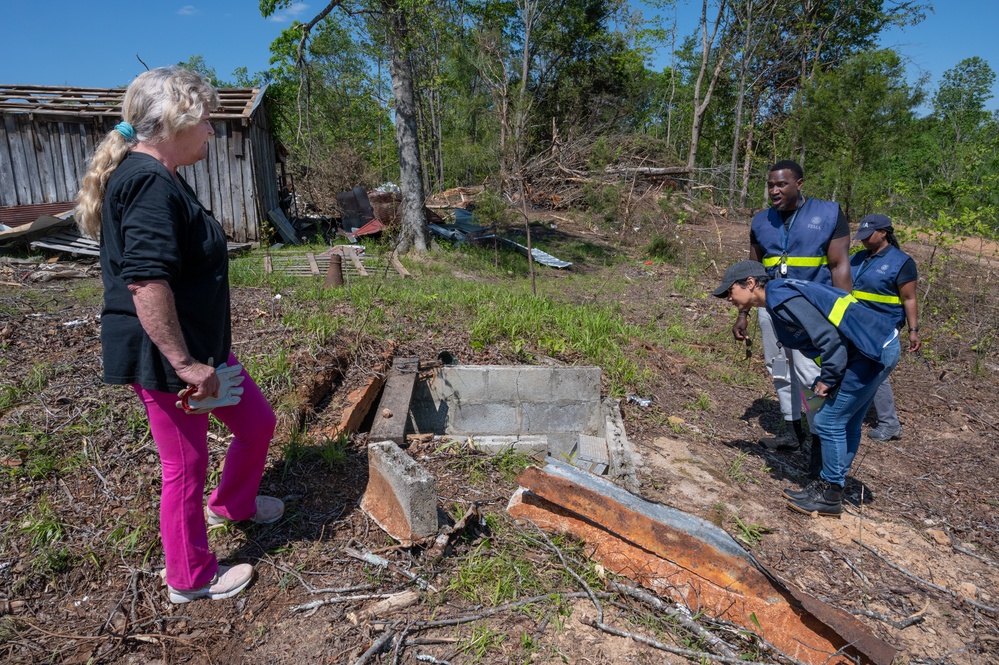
[[920, 538]]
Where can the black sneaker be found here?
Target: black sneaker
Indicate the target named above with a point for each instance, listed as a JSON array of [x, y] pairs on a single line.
[[824, 498]]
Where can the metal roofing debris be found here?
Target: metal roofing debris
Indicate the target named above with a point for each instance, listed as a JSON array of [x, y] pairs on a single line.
[[45, 99], [463, 230], [692, 561]]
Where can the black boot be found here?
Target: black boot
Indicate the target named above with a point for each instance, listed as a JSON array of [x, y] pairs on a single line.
[[799, 431], [814, 458], [798, 495], [824, 498], [787, 440]]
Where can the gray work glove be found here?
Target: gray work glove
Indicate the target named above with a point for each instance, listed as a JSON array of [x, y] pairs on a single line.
[[229, 391]]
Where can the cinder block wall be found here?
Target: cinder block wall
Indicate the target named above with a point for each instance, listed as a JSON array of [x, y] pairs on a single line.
[[478, 400]]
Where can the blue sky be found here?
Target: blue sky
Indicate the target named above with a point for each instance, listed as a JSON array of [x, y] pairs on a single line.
[[95, 44]]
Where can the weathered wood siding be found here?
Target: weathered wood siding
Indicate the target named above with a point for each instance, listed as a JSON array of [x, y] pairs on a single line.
[[43, 159]]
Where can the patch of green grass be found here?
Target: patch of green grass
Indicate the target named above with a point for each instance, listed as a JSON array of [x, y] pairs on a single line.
[[490, 577], [509, 463], [482, 640], [736, 470], [333, 451], [294, 450], [319, 328], [272, 371], [134, 537], [750, 534], [45, 531], [703, 401], [37, 379], [664, 247]]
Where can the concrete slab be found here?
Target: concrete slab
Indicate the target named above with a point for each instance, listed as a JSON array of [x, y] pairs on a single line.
[[401, 496], [535, 446]]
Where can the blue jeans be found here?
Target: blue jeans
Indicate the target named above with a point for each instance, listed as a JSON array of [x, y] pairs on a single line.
[[838, 422]]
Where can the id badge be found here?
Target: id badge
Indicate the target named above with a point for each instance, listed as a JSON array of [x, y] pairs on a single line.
[[781, 370]]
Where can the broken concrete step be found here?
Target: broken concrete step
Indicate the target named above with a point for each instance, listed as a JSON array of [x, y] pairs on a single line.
[[401, 496]]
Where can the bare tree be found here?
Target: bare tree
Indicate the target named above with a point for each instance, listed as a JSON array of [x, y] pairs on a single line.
[[700, 104], [751, 18], [395, 16]]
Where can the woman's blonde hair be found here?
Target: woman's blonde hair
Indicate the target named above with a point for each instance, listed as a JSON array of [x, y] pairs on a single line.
[[158, 104]]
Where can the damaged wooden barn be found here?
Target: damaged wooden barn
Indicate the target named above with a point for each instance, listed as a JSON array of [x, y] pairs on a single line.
[[48, 134]]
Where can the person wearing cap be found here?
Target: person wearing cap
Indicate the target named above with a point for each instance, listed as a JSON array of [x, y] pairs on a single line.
[[854, 349], [884, 277], [805, 239]]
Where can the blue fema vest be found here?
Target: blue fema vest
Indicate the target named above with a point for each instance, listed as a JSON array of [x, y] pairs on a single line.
[[866, 329], [874, 283], [806, 244]]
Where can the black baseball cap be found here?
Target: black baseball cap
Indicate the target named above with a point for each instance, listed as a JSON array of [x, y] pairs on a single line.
[[738, 272], [870, 224]]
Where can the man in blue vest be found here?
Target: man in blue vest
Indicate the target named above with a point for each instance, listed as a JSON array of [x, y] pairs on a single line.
[[804, 239], [855, 348]]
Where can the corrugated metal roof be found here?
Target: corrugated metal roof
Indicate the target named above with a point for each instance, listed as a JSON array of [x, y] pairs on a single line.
[[235, 103]]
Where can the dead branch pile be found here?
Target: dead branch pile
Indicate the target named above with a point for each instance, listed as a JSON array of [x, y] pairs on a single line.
[[560, 176]]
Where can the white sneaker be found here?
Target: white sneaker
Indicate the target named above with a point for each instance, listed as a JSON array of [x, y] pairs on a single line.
[[269, 510], [228, 581]]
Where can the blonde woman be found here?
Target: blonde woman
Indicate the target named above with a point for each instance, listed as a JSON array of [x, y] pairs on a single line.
[[166, 322]]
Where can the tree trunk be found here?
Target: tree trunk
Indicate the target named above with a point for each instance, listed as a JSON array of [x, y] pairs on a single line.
[[413, 234], [747, 163], [701, 106]]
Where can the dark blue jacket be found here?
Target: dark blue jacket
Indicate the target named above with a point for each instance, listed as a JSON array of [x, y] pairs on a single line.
[[831, 326]]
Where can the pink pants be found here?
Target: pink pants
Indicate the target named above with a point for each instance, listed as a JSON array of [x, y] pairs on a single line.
[[182, 440]]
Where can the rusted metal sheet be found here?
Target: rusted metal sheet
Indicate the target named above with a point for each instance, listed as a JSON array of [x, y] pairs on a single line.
[[689, 546], [14, 216], [848, 626], [692, 561]]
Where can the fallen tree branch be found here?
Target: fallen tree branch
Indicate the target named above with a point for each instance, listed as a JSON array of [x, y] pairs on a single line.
[[648, 641], [393, 603], [382, 562], [904, 623], [377, 645], [680, 614], [964, 550], [338, 599], [916, 578], [568, 569], [500, 609]]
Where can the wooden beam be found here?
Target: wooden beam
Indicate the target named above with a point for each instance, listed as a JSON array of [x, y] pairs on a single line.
[[397, 264], [393, 408]]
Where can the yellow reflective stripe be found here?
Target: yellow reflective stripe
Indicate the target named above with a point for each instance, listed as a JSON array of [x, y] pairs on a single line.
[[877, 297], [807, 261], [839, 309], [797, 261]]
